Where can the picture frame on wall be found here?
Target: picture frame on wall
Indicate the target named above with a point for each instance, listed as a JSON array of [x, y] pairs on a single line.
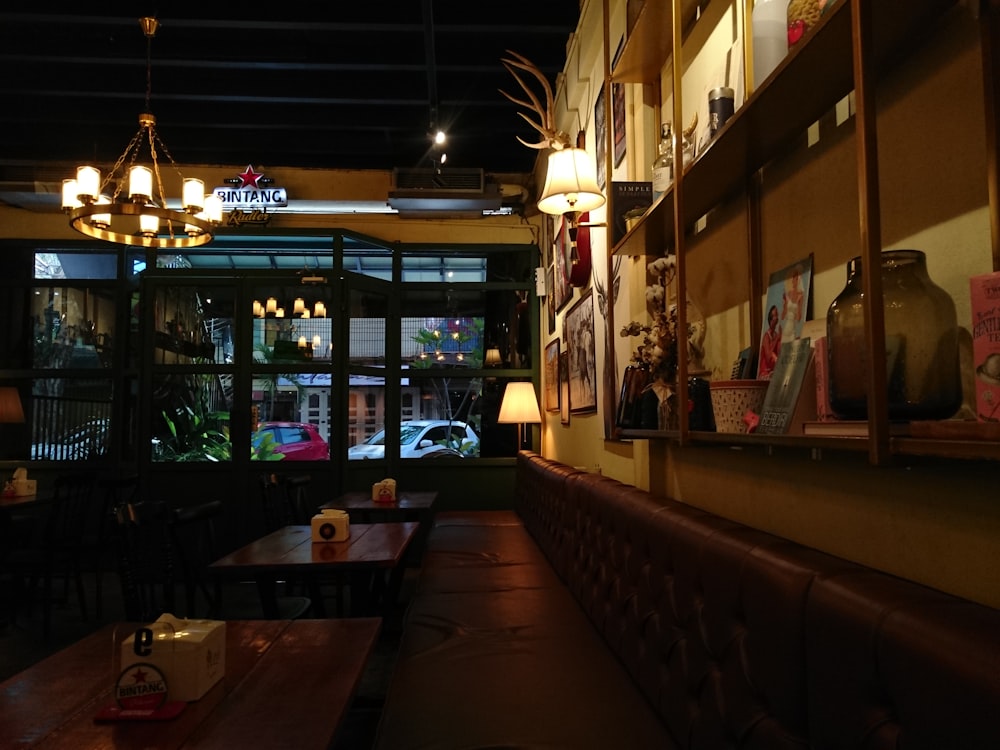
[[600, 137], [564, 387], [579, 336], [562, 250], [786, 309], [552, 376], [550, 298], [618, 113]]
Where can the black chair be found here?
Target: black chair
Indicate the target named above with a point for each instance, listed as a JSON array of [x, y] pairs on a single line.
[[193, 530], [98, 547], [54, 548], [146, 565], [296, 498], [275, 508]]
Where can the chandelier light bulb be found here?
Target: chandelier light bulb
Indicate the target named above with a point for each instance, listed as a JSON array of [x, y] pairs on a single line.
[[88, 181], [194, 195], [213, 208], [102, 220], [299, 306], [440, 137], [149, 225], [140, 184], [319, 310], [272, 305], [70, 195]]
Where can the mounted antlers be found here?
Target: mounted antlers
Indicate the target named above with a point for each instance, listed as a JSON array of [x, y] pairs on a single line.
[[551, 137]]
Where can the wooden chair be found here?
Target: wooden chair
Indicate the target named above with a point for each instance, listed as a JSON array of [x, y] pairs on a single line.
[[55, 549], [146, 563], [98, 546]]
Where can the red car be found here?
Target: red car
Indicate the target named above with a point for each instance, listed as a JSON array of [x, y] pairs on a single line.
[[296, 441]]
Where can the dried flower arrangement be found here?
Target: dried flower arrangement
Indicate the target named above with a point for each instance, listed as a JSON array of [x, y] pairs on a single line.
[[657, 353]]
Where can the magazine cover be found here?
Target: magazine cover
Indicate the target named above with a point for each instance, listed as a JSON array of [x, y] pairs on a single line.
[[985, 301], [785, 311], [626, 198], [786, 384]]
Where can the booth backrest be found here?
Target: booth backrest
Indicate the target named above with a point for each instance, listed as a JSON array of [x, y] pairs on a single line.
[[739, 638]]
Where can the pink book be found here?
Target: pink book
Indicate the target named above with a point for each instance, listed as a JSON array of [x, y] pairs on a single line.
[[985, 298]]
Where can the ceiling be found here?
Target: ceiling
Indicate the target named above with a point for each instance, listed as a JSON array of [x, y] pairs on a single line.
[[324, 85]]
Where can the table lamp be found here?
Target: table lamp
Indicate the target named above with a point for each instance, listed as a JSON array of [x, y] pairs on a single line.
[[11, 411], [519, 407]]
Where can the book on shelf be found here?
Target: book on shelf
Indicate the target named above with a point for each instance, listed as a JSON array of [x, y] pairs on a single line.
[[787, 404], [816, 331], [628, 198], [984, 298], [848, 428]]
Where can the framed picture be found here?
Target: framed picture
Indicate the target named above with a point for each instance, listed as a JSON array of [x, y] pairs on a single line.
[[579, 336], [550, 297], [600, 137], [785, 310], [564, 387], [618, 112], [562, 289], [552, 376]]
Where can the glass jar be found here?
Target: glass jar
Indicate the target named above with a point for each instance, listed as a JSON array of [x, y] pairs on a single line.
[[921, 341]]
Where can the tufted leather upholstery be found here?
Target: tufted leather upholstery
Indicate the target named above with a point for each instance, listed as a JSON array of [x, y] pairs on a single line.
[[725, 636]]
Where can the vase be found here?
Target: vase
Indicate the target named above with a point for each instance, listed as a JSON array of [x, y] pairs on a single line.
[[921, 342]]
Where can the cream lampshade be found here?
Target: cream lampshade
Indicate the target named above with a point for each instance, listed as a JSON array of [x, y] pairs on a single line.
[[570, 183], [520, 407]]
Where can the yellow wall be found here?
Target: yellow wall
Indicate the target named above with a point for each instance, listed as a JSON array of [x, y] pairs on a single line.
[[932, 521]]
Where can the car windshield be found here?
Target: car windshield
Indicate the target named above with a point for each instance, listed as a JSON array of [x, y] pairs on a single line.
[[408, 433]]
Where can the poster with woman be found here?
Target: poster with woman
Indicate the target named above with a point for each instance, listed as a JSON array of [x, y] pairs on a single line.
[[785, 310]]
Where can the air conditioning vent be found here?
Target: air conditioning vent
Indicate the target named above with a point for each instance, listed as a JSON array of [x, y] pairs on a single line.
[[464, 192]]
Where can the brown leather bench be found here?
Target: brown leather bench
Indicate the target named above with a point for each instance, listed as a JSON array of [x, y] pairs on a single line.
[[601, 616]]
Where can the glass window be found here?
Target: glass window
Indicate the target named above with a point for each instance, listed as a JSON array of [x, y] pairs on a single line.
[[72, 327], [290, 415], [190, 417], [193, 324], [70, 419]]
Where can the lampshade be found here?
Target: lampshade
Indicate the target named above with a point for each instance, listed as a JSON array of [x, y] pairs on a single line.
[[493, 357], [10, 406], [519, 405], [570, 183]]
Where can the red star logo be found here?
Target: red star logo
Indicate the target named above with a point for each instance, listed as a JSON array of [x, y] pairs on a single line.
[[139, 675], [250, 177]]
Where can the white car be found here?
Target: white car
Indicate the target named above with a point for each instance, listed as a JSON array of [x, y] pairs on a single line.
[[419, 438]]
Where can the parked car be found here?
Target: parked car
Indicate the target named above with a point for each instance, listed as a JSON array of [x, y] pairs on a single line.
[[296, 441], [421, 438], [83, 442]]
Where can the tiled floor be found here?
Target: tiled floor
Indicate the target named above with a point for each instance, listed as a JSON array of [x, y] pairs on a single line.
[[22, 644]]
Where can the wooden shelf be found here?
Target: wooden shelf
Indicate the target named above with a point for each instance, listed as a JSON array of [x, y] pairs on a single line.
[[814, 76]]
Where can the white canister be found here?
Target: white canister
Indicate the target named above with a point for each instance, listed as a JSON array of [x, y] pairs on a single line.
[[770, 37]]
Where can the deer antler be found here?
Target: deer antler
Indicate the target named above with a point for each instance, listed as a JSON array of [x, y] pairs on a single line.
[[546, 118]]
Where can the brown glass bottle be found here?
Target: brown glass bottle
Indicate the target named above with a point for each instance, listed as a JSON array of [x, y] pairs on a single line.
[[921, 333]]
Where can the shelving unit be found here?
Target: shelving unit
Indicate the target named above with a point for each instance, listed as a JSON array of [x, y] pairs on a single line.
[[853, 46]]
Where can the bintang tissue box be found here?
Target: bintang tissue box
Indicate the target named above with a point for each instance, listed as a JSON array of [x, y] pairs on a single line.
[[384, 491], [195, 663], [331, 526]]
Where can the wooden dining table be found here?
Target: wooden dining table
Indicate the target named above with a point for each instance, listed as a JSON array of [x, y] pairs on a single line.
[[369, 559], [287, 683], [408, 506]]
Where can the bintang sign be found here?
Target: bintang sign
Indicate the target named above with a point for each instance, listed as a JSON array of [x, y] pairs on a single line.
[[248, 196]]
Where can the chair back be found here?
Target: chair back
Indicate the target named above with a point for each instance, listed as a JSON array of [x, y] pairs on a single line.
[[274, 504], [70, 512], [296, 490], [146, 560]]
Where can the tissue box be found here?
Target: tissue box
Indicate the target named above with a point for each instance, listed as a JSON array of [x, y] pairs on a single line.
[[331, 526], [25, 487], [198, 659], [384, 491]]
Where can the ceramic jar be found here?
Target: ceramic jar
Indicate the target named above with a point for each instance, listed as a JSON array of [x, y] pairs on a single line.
[[921, 334]]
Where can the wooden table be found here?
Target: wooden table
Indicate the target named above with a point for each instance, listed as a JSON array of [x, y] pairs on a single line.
[[288, 683], [409, 506], [370, 558]]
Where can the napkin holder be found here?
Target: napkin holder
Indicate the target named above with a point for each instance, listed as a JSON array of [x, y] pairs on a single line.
[[331, 525], [196, 661], [384, 491], [22, 485]]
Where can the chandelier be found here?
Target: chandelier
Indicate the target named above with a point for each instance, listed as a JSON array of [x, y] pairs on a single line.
[[141, 216]]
